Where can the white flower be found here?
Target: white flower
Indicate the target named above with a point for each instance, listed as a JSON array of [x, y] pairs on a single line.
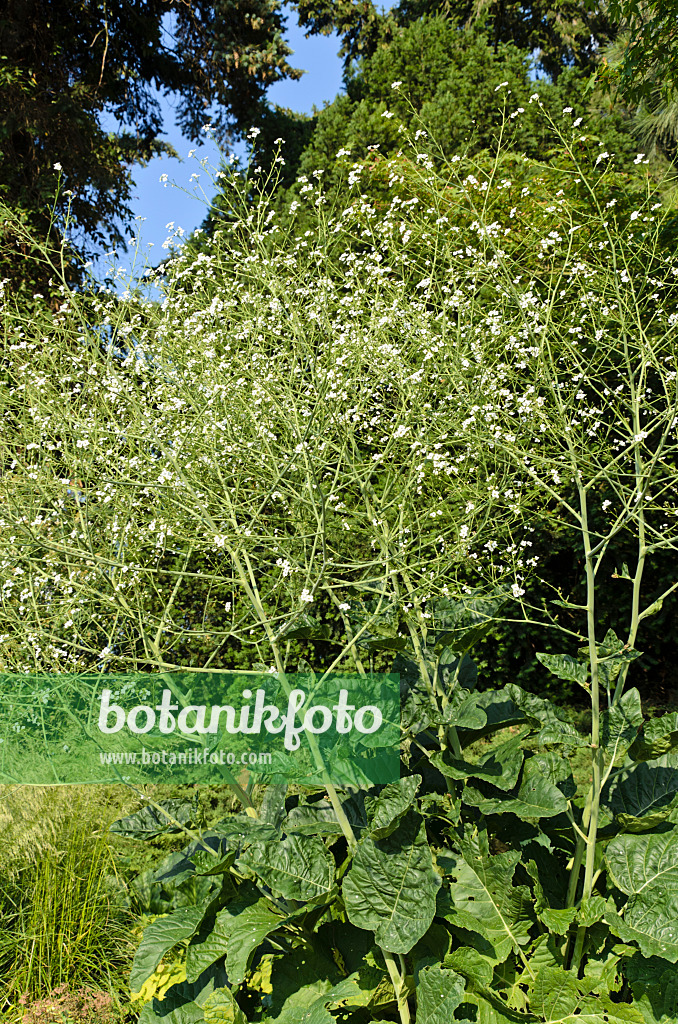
[[500, 86], [601, 156], [207, 128], [387, 113], [575, 124], [635, 215], [163, 177], [344, 607], [517, 590], [58, 167], [396, 85], [606, 504], [306, 596], [639, 158], [567, 110]]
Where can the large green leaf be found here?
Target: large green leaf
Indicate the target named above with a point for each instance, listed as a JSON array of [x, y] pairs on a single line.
[[649, 921], [318, 817], [500, 711], [382, 621], [554, 727], [298, 980], [440, 990], [151, 822], [159, 937], [385, 811], [658, 737], [637, 863], [546, 951], [483, 888], [471, 964], [501, 767], [221, 1008], [535, 797], [564, 666], [346, 993], [464, 712], [514, 706], [619, 725], [555, 994], [645, 867], [236, 931], [418, 710], [463, 924], [464, 639], [239, 831], [185, 1002], [604, 1010], [556, 769], [296, 867], [642, 796], [613, 654], [488, 1008], [391, 886]]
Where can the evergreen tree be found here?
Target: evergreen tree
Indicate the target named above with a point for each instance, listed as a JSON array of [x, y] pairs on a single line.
[[461, 88], [558, 33]]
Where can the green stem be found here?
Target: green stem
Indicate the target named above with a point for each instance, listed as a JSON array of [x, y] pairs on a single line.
[[349, 834], [597, 755], [398, 986]]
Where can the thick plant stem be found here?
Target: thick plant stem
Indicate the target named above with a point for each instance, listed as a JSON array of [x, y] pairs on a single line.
[[574, 872], [398, 986], [597, 756], [349, 834], [578, 858]]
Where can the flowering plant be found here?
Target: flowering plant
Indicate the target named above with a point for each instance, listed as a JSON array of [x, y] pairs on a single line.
[[370, 417]]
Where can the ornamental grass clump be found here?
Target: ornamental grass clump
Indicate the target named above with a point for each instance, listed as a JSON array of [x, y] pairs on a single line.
[[348, 436]]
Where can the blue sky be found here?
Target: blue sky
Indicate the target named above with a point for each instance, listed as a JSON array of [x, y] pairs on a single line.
[[182, 203]]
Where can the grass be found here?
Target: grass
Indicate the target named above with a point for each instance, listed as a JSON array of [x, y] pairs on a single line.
[[67, 906], [64, 916]]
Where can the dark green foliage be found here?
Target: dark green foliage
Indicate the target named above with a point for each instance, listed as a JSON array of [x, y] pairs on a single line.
[[426, 915], [65, 64], [460, 88], [562, 34], [650, 57]]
